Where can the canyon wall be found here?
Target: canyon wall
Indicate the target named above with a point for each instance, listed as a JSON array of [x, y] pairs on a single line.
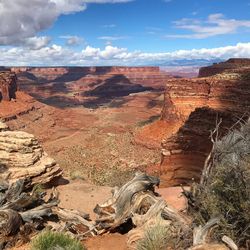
[[85, 75], [91, 87], [229, 65], [8, 85], [198, 104]]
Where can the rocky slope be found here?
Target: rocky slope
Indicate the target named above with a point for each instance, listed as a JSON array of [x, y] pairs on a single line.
[[22, 156], [197, 104], [230, 65], [8, 85]]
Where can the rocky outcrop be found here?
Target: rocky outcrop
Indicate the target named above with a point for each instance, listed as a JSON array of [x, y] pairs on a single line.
[[8, 85], [198, 104], [184, 153], [229, 65], [22, 156]]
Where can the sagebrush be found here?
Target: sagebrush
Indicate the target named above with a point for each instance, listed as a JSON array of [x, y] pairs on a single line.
[[49, 240], [155, 238], [226, 193]]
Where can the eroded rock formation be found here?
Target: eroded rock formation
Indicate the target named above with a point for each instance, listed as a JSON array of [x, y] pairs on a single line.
[[198, 104], [21, 156], [8, 85], [229, 65]]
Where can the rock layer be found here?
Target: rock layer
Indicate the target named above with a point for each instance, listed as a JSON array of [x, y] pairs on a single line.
[[22, 156], [8, 85], [229, 65], [198, 104]]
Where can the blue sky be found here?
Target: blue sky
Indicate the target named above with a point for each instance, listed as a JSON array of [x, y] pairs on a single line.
[[122, 32]]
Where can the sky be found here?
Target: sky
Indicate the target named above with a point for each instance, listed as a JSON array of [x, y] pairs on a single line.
[[121, 32]]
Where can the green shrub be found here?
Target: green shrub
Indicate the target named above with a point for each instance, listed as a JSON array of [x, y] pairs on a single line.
[[49, 240], [226, 194], [155, 238]]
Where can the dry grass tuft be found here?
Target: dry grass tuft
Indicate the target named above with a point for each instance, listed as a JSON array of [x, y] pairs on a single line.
[[49, 240]]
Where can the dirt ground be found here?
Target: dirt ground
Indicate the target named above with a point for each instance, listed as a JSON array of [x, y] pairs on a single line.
[[84, 196]]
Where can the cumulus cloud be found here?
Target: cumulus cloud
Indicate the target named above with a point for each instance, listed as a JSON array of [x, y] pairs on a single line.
[[36, 43], [72, 40], [24, 19], [216, 24], [111, 55]]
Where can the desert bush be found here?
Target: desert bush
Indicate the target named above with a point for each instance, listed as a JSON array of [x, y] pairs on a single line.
[[226, 193], [76, 175], [110, 176], [155, 238], [148, 121], [49, 240]]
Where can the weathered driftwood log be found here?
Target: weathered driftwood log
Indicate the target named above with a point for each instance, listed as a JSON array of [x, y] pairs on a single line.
[[23, 213], [118, 209], [76, 222], [200, 233], [138, 202], [10, 222]]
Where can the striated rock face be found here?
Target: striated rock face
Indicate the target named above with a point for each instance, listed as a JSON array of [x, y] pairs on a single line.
[[90, 87], [229, 65], [184, 153], [21, 156], [197, 104], [8, 85]]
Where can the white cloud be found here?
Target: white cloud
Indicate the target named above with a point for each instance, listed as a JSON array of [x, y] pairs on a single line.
[[112, 38], [110, 55], [216, 24], [72, 40], [22, 19], [37, 42]]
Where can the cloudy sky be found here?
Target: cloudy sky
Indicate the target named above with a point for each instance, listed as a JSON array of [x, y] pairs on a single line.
[[122, 32]]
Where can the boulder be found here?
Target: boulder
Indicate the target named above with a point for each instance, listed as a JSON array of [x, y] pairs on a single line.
[[22, 156]]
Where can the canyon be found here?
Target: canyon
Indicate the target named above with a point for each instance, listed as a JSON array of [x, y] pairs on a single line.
[[128, 118], [220, 93], [99, 125], [86, 117]]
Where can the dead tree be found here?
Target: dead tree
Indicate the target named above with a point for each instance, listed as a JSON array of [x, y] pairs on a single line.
[[24, 213], [138, 202]]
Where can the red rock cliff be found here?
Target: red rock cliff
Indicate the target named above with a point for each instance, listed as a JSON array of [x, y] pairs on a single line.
[[197, 104], [231, 64], [8, 85]]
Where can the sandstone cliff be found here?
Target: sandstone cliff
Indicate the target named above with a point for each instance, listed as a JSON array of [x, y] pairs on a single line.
[[197, 104], [229, 65], [22, 156], [8, 85]]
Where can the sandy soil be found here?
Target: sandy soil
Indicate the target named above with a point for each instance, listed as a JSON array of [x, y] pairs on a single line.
[[83, 196]]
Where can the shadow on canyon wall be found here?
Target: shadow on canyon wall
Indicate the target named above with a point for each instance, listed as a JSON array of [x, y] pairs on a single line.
[[110, 92], [191, 144]]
